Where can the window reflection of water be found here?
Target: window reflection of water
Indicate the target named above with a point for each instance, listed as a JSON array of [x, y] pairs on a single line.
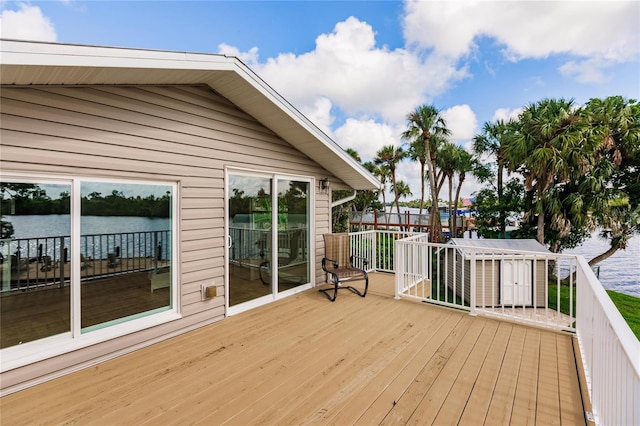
[[46, 228]]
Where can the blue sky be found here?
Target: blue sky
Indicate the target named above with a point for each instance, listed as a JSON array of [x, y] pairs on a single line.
[[356, 68]]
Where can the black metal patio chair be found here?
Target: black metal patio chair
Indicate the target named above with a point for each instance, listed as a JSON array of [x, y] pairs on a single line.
[[338, 264]]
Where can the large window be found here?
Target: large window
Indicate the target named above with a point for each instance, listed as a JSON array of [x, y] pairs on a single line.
[[269, 237], [80, 256]]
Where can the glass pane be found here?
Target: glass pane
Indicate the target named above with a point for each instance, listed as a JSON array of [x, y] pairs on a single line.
[[125, 252], [34, 253], [250, 238], [293, 234]]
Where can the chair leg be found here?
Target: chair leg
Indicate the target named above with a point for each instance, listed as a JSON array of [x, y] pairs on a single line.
[[327, 290], [366, 287], [353, 289]]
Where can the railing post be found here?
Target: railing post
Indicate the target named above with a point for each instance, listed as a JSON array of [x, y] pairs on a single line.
[[472, 285], [398, 259], [61, 263], [155, 249]]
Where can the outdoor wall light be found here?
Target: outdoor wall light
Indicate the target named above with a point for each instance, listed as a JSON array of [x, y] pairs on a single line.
[[324, 183]]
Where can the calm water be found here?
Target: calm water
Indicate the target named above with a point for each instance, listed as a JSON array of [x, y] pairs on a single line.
[[620, 272], [34, 226]]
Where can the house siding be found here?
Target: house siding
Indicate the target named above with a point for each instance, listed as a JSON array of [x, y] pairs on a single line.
[[184, 134]]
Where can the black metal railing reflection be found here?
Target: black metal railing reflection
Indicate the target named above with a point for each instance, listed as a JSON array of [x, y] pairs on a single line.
[[32, 262]]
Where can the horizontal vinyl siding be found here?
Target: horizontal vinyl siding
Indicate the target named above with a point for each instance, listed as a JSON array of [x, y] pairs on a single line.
[[488, 278], [539, 282], [184, 134]]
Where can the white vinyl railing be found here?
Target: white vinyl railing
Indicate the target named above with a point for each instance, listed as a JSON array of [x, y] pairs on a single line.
[[559, 291], [526, 286], [377, 247], [610, 353]]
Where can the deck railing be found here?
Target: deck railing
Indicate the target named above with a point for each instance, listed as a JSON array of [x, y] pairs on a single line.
[[531, 287], [565, 294], [610, 353]]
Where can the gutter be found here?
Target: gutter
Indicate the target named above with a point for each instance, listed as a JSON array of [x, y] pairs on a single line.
[[344, 200]]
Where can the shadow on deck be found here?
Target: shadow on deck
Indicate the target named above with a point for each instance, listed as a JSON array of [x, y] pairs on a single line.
[[306, 360]]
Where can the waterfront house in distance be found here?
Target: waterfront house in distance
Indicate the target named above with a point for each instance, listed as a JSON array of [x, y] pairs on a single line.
[[199, 137]]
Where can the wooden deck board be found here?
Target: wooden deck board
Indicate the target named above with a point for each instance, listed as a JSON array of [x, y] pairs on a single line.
[[524, 404], [452, 408], [478, 403], [379, 388], [305, 360], [501, 404], [439, 391], [548, 402]]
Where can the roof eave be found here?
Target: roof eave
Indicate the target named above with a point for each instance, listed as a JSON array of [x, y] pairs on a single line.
[[36, 63]]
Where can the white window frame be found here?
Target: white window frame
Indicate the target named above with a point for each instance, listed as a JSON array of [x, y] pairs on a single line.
[[60, 344], [275, 295]]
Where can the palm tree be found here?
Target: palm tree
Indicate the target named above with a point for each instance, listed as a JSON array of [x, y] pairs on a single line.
[[369, 196], [354, 154], [389, 156], [490, 141], [616, 124], [547, 148], [417, 152], [464, 164], [447, 159], [402, 189], [426, 123]]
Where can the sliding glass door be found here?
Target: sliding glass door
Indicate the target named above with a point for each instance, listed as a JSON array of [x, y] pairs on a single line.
[[268, 236]]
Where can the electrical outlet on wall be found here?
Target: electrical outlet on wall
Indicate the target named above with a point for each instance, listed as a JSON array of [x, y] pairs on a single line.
[[209, 291]]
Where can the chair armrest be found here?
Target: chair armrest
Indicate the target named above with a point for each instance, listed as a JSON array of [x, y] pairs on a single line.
[[326, 259], [365, 261]]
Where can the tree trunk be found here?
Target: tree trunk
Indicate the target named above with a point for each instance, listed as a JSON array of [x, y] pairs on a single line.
[[384, 204], [396, 195], [457, 200], [502, 215], [434, 205], [603, 256], [450, 201], [422, 177], [540, 230]]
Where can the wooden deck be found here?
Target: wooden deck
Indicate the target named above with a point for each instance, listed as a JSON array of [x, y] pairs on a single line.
[[306, 360]]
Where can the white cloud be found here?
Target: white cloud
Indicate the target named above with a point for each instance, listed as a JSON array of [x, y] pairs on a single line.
[[320, 114], [462, 122], [27, 23], [589, 71], [250, 58], [359, 78], [506, 114], [367, 136], [598, 31]]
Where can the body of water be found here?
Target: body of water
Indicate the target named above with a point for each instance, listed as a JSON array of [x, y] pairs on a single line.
[[36, 226], [621, 271]]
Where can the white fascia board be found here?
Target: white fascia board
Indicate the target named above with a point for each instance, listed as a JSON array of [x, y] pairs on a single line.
[[81, 56]]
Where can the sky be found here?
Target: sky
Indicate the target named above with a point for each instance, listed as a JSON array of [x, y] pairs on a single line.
[[357, 68]]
